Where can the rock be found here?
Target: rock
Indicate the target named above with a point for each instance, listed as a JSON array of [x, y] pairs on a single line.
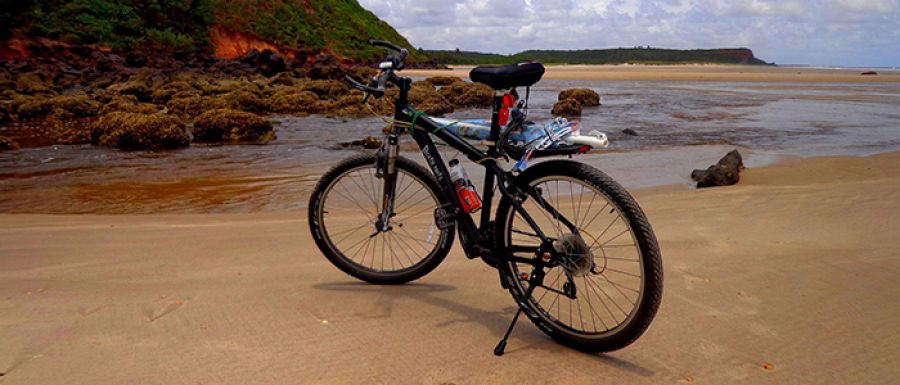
[[136, 59], [32, 83], [66, 106], [231, 126], [443, 80], [724, 173], [245, 101], [436, 106], [267, 62], [326, 89], [568, 108], [585, 96], [135, 131], [629, 131], [299, 102], [369, 142], [126, 104], [7, 144], [466, 94], [427, 99], [163, 94], [141, 85], [869, 73], [194, 105], [282, 79], [325, 66]]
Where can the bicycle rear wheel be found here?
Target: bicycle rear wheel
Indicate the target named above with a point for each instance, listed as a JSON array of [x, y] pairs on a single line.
[[604, 286], [343, 210]]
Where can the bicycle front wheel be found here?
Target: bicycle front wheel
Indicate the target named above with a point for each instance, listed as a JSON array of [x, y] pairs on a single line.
[[604, 285], [344, 208]]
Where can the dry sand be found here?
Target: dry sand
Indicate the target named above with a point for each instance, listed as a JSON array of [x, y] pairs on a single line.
[[719, 73], [788, 278]]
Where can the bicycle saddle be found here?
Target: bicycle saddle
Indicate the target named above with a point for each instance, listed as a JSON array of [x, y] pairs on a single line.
[[508, 76]]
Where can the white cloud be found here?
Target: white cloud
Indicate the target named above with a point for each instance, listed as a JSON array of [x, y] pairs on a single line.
[[867, 5], [840, 32]]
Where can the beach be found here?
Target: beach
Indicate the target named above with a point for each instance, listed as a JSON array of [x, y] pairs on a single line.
[[787, 277], [196, 266]]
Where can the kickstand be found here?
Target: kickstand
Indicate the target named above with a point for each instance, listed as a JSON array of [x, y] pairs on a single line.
[[501, 347]]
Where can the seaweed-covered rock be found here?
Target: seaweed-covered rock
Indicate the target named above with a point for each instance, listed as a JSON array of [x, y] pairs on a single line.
[[435, 106], [134, 131], [724, 173], [326, 89], [585, 96], [128, 104], [67, 106], [194, 105], [32, 83], [167, 91], [7, 144], [297, 102], [427, 99], [568, 108], [141, 85], [465, 94], [231, 126], [282, 79], [443, 80], [245, 101]]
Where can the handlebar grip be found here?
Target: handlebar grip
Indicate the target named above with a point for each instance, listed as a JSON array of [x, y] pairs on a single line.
[[385, 44]]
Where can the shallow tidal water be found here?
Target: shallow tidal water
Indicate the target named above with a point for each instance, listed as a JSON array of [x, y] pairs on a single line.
[[681, 126]]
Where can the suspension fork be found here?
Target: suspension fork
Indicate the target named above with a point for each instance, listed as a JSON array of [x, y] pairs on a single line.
[[386, 169]]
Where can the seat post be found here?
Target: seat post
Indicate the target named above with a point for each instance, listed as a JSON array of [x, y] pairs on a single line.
[[495, 115]]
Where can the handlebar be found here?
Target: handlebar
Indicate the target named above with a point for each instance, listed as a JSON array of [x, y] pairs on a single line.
[[381, 43], [376, 86], [377, 91]]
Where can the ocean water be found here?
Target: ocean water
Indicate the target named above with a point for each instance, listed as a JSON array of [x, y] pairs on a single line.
[[681, 126]]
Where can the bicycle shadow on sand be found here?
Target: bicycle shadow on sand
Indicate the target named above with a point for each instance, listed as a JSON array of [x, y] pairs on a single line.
[[496, 322]]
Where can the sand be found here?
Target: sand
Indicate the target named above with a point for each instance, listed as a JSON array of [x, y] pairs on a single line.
[[717, 73], [789, 277]]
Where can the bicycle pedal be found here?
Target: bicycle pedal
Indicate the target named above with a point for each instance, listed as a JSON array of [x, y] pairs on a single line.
[[444, 216]]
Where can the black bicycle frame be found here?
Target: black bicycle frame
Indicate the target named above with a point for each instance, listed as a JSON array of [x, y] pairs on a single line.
[[474, 244]]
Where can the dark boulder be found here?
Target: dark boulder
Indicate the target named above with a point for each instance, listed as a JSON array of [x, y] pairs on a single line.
[[267, 62], [629, 131], [724, 173], [136, 59]]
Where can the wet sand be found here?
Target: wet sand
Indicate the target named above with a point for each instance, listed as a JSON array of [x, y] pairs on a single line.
[[717, 73], [788, 277]]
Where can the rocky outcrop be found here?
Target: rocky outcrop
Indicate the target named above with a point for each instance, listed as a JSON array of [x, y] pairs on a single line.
[[724, 173], [585, 96], [232, 127], [136, 131], [567, 108]]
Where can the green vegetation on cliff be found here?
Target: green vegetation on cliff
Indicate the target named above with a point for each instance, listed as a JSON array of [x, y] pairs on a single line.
[[341, 26], [602, 56]]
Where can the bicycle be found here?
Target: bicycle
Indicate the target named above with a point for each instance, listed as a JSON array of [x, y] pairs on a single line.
[[567, 241]]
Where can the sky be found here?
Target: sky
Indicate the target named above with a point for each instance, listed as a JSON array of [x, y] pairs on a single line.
[[860, 33]]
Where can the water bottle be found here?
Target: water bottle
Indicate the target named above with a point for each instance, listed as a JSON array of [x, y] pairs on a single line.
[[464, 188]]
